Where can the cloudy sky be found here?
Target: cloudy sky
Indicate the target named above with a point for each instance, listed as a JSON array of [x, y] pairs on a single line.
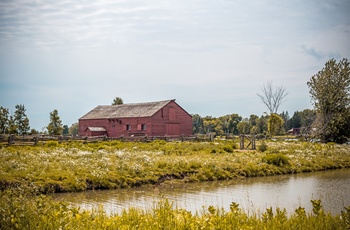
[[212, 56]]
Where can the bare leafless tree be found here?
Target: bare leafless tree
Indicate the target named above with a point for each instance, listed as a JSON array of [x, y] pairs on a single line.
[[272, 96]]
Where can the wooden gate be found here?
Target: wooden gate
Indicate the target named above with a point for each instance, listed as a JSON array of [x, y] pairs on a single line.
[[250, 139]]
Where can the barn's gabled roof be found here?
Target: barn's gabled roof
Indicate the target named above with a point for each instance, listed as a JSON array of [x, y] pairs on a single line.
[[146, 109]]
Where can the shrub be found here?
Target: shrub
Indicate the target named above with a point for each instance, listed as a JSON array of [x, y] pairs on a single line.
[[276, 159], [228, 149], [52, 143], [262, 147]]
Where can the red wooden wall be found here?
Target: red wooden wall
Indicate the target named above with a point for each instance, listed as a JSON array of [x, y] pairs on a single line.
[[170, 120]]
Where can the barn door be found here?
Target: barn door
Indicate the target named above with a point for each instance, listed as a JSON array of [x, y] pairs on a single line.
[[173, 129]]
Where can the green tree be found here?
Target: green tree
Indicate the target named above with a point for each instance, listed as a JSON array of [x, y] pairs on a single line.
[[212, 125], [74, 129], [261, 124], [308, 116], [294, 121], [301, 119], [4, 119], [244, 126], [33, 132], [253, 119], [117, 101], [197, 124], [12, 127], [285, 117], [329, 90], [233, 123], [55, 125], [65, 130], [274, 124], [254, 130], [21, 120]]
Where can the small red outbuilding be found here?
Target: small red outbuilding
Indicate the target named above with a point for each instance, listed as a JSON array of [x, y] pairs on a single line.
[[162, 118]]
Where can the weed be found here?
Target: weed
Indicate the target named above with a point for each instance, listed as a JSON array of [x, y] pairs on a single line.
[[262, 147], [276, 159], [74, 166], [52, 143], [25, 210]]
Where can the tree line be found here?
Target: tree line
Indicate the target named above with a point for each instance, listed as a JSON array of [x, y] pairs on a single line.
[[269, 124], [18, 123], [329, 120]]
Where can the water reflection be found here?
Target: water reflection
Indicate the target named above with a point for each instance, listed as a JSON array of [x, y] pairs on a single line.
[[254, 195]]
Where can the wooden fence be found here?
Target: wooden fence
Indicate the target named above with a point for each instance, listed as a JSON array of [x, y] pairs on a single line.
[[36, 139]]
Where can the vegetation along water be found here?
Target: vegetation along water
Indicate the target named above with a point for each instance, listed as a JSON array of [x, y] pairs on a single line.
[[27, 171]]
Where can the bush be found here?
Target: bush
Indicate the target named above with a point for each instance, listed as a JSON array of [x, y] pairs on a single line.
[[262, 147], [52, 143], [228, 149], [276, 159]]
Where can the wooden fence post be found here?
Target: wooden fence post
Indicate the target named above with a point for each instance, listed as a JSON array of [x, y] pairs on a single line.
[[250, 138], [35, 139], [10, 139], [241, 141]]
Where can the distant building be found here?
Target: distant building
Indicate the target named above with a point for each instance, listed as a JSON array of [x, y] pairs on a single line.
[[162, 118], [294, 131]]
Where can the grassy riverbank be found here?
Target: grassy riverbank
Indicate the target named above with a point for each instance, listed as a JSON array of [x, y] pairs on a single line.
[[69, 167], [25, 211]]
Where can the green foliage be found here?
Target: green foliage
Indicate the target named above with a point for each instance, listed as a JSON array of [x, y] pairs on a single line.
[[23, 210], [74, 129], [117, 101], [74, 166], [221, 126], [197, 124], [274, 124], [300, 119], [262, 147], [276, 159], [55, 125], [243, 127], [294, 121], [52, 143], [4, 119], [12, 127], [329, 90], [65, 130], [21, 120], [228, 149]]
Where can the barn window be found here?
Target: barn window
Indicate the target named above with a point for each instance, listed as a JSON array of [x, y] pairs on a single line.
[[128, 127], [143, 127]]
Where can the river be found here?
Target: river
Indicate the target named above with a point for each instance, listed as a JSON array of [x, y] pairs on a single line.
[[253, 195]]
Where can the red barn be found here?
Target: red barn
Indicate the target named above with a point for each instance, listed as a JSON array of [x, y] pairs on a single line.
[[162, 118]]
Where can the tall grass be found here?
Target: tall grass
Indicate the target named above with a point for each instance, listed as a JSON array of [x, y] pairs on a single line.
[[74, 166], [28, 211]]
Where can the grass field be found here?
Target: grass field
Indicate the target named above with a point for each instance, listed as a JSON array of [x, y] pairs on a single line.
[[26, 172], [70, 167]]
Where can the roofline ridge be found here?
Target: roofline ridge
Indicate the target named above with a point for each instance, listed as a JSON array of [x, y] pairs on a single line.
[[139, 103]]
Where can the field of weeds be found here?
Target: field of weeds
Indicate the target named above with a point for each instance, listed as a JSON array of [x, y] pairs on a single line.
[[25, 211], [74, 166]]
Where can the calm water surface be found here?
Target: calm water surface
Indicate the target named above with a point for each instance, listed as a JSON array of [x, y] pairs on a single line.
[[253, 195]]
